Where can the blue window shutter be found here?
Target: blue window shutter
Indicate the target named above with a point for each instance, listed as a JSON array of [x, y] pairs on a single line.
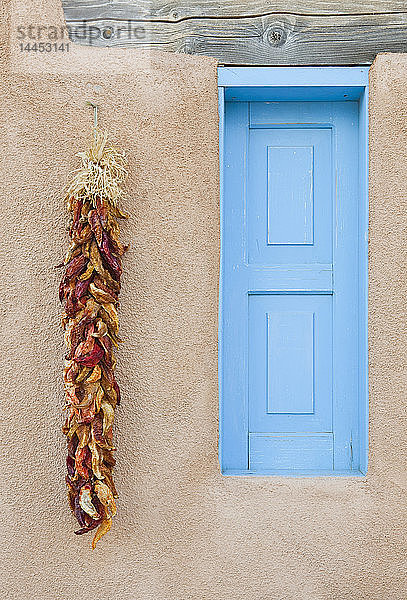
[[290, 288]]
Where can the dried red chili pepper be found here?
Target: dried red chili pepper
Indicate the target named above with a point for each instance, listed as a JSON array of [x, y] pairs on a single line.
[[89, 290], [75, 266], [80, 457], [93, 358], [81, 288], [96, 226], [76, 214], [93, 525], [114, 263]]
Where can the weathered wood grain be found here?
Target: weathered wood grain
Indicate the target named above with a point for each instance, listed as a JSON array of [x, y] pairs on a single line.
[[321, 32], [175, 10]]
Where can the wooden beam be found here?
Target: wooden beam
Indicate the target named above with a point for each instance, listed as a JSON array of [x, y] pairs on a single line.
[[319, 32]]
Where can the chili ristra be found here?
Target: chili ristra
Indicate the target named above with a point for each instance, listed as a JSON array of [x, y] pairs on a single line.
[[89, 290]]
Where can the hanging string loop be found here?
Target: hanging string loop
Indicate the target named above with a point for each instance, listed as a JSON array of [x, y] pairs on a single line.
[[95, 117]]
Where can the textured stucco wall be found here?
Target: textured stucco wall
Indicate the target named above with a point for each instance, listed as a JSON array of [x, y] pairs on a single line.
[[183, 531]]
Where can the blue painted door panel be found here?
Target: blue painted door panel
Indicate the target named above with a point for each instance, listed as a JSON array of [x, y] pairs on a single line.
[[289, 180], [293, 452], [290, 288], [290, 369]]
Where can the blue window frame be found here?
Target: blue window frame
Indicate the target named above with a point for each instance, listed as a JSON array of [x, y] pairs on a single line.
[[293, 362]]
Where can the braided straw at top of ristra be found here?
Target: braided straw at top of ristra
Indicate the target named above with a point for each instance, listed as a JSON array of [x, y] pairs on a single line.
[[89, 290]]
